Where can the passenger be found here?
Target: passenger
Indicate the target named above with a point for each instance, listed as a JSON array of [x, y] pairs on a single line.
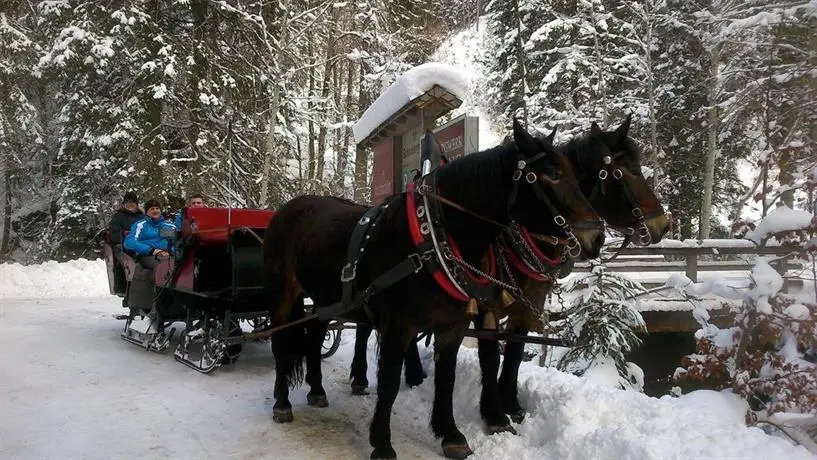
[[125, 217], [145, 238], [193, 201]]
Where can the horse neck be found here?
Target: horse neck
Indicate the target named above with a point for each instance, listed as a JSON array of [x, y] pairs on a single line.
[[479, 182]]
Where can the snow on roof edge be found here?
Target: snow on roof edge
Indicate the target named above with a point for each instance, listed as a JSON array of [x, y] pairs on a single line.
[[407, 87]]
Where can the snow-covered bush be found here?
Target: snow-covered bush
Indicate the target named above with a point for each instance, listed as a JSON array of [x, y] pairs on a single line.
[[769, 354], [605, 324]]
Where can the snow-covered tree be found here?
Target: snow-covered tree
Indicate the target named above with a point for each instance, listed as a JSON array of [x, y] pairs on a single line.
[[605, 324], [769, 354], [25, 175]]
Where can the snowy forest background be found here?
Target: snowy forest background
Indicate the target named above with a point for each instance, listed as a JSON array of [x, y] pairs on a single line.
[[252, 102]]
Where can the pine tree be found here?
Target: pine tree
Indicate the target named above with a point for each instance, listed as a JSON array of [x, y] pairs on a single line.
[[603, 319], [25, 113]]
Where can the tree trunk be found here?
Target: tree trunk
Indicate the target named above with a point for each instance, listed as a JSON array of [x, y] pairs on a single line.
[[653, 155], [712, 144], [523, 72], [602, 86], [361, 185], [343, 157], [310, 172], [275, 101], [337, 137], [5, 203], [199, 73], [152, 138], [320, 159]]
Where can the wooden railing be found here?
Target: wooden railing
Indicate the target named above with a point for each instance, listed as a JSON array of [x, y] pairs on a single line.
[[692, 257]]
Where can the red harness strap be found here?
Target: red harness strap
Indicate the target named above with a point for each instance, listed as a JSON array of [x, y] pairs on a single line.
[[418, 238]]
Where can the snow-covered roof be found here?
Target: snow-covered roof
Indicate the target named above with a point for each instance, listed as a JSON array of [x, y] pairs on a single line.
[[408, 87]]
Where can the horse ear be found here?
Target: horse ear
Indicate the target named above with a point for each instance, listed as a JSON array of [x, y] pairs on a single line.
[[524, 141], [552, 135], [622, 130], [594, 128]]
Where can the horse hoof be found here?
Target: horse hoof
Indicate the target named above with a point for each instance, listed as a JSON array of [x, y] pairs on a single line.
[[383, 454], [517, 416], [414, 382], [360, 390], [317, 400], [457, 450], [494, 429], [282, 415]]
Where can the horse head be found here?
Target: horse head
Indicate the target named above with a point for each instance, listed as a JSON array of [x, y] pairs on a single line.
[[609, 166], [546, 197]]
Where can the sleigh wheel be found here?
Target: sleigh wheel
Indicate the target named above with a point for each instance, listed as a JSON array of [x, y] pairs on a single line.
[[331, 342]]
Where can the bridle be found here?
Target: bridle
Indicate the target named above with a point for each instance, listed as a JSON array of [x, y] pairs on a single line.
[[609, 170], [573, 247]]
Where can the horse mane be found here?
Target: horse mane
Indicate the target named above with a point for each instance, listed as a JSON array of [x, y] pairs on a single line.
[[463, 176]]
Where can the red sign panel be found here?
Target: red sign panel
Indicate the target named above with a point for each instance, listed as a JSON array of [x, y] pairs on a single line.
[[452, 139], [383, 171]]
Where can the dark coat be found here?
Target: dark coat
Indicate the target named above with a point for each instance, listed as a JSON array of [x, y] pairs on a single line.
[[123, 220]]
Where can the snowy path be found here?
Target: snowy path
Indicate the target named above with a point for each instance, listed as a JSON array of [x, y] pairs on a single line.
[[71, 388]]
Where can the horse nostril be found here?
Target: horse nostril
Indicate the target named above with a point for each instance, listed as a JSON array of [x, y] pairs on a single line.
[[599, 240]]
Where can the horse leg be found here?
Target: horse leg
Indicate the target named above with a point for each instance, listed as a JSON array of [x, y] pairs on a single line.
[[443, 425], [316, 334], [287, 345], [394, 341], [288, 370], [508, 379], [490, 404], [414, 368], [359, 364]]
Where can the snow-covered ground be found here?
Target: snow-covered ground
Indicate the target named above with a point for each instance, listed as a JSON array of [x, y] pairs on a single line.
[[71, 388]]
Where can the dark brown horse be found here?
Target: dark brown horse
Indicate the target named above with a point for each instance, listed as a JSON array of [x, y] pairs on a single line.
[[607, 164], [305, 250]]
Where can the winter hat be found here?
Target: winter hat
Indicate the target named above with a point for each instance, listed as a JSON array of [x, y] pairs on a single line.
[[130, 197], [152, 203]]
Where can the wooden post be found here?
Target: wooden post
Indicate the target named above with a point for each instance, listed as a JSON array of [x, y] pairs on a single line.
[[692, 265], [780, 267]]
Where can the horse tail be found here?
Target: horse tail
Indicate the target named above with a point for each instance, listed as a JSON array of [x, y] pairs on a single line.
[[285, 301], [295, 345]]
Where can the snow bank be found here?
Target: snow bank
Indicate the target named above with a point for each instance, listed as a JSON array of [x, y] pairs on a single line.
[[76, 278], [572, 418], [412, 84]]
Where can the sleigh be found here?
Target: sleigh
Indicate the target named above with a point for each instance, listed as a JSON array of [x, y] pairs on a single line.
[[209, 290]]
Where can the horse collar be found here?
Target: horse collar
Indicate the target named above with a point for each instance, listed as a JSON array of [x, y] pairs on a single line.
[[429, 236]]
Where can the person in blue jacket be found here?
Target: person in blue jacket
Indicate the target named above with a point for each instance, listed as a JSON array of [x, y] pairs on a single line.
[[145, 239]]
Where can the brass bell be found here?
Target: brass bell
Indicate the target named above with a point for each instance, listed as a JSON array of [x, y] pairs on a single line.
[[507, 298], [472, 307], [489, 321]]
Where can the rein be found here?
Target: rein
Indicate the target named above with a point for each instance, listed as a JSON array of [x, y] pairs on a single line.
[[427, 191]]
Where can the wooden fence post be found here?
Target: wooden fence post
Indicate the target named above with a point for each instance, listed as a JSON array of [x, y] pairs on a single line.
[[692, 265]]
